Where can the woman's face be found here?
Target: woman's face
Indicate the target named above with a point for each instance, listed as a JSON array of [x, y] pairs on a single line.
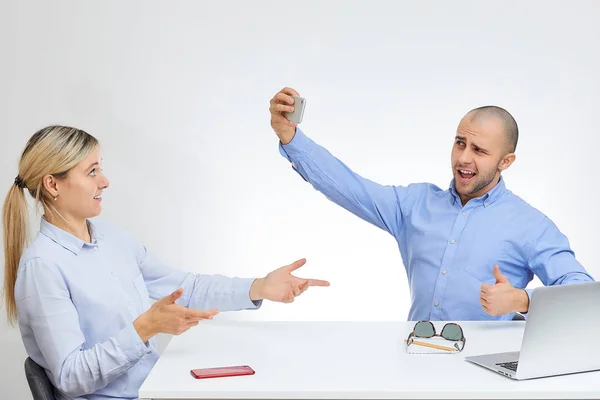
[[80, 192]]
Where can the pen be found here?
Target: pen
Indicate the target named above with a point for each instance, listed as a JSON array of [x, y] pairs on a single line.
[[435, 346]]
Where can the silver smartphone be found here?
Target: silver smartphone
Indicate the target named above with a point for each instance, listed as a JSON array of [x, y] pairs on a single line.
[[299, 105]]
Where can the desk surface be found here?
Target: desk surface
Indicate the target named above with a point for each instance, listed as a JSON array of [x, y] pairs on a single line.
[[345, 360]]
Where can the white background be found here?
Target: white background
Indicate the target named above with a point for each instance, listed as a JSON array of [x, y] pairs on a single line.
[[177, 92]]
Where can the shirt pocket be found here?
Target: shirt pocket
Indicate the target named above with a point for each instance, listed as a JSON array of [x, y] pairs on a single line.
[[142, 292], [480, 262]]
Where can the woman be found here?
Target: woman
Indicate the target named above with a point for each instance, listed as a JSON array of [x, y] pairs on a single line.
[[81, 291]]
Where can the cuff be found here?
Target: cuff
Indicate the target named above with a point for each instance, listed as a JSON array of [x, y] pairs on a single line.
[[241, 295], [131, 344], [298, 146]]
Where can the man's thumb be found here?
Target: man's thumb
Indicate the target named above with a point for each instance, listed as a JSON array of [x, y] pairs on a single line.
[[498, 275]]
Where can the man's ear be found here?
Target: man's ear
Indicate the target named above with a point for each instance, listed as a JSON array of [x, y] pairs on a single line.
[[507, 161]]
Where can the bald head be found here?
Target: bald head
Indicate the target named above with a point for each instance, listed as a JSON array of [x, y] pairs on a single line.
[[511, 130]]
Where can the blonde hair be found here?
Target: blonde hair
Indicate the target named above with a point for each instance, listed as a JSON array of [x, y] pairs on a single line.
[[53, 150]]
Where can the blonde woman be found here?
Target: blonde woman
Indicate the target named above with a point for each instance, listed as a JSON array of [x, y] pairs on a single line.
[[81, 291]]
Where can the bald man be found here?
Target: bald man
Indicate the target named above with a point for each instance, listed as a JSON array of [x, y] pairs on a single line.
[[469, 251]]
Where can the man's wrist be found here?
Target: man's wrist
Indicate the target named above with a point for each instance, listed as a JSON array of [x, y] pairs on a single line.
[[287, 137], [522, 302]]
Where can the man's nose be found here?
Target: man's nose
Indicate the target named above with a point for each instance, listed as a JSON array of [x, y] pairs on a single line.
[[466, 157]]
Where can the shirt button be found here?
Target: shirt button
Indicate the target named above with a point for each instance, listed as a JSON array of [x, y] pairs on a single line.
[[436, 304], [453, 241], [129, 303], [444, 272], [113, 274], [485, 203], [463, 213], [95, 248]]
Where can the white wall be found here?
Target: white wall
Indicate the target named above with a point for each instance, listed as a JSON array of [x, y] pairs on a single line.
[[178, 94]]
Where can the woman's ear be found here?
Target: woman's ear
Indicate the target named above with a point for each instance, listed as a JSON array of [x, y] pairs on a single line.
[[50, 185]]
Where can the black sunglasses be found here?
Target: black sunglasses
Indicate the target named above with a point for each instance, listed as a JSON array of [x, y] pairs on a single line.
[[450, 331]]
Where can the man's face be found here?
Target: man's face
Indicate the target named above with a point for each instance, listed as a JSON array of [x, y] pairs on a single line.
[[478, 155]]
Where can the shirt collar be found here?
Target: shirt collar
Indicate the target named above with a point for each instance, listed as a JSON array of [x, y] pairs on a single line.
[[487, 199], [67, 240]]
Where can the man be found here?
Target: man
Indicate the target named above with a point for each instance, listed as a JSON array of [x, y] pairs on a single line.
[[469, 251]]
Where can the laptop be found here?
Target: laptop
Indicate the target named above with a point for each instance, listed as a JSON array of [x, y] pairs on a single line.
[[560, 335]]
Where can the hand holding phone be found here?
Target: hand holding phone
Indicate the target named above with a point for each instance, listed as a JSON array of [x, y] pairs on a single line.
[[280, 108], [220, 372], [299, 105]]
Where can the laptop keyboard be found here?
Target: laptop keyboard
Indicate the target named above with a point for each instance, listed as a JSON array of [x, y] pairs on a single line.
[[509, 365]]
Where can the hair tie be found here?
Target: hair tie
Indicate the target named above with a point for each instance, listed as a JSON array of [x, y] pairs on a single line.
[[19, 182]]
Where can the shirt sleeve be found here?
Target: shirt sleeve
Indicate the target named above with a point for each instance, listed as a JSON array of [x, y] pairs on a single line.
[[201, 292], [551, 258], [377, 204], [45, 306]]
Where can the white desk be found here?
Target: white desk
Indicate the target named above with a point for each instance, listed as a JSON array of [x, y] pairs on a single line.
[[345, 360]]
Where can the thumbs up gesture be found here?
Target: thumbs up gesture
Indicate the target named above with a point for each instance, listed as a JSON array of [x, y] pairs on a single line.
[[502, 297]]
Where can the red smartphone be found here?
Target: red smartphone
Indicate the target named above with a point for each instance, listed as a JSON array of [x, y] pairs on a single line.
[[220, 372]]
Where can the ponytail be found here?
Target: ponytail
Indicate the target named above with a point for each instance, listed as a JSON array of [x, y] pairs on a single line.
[[14, 223]]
